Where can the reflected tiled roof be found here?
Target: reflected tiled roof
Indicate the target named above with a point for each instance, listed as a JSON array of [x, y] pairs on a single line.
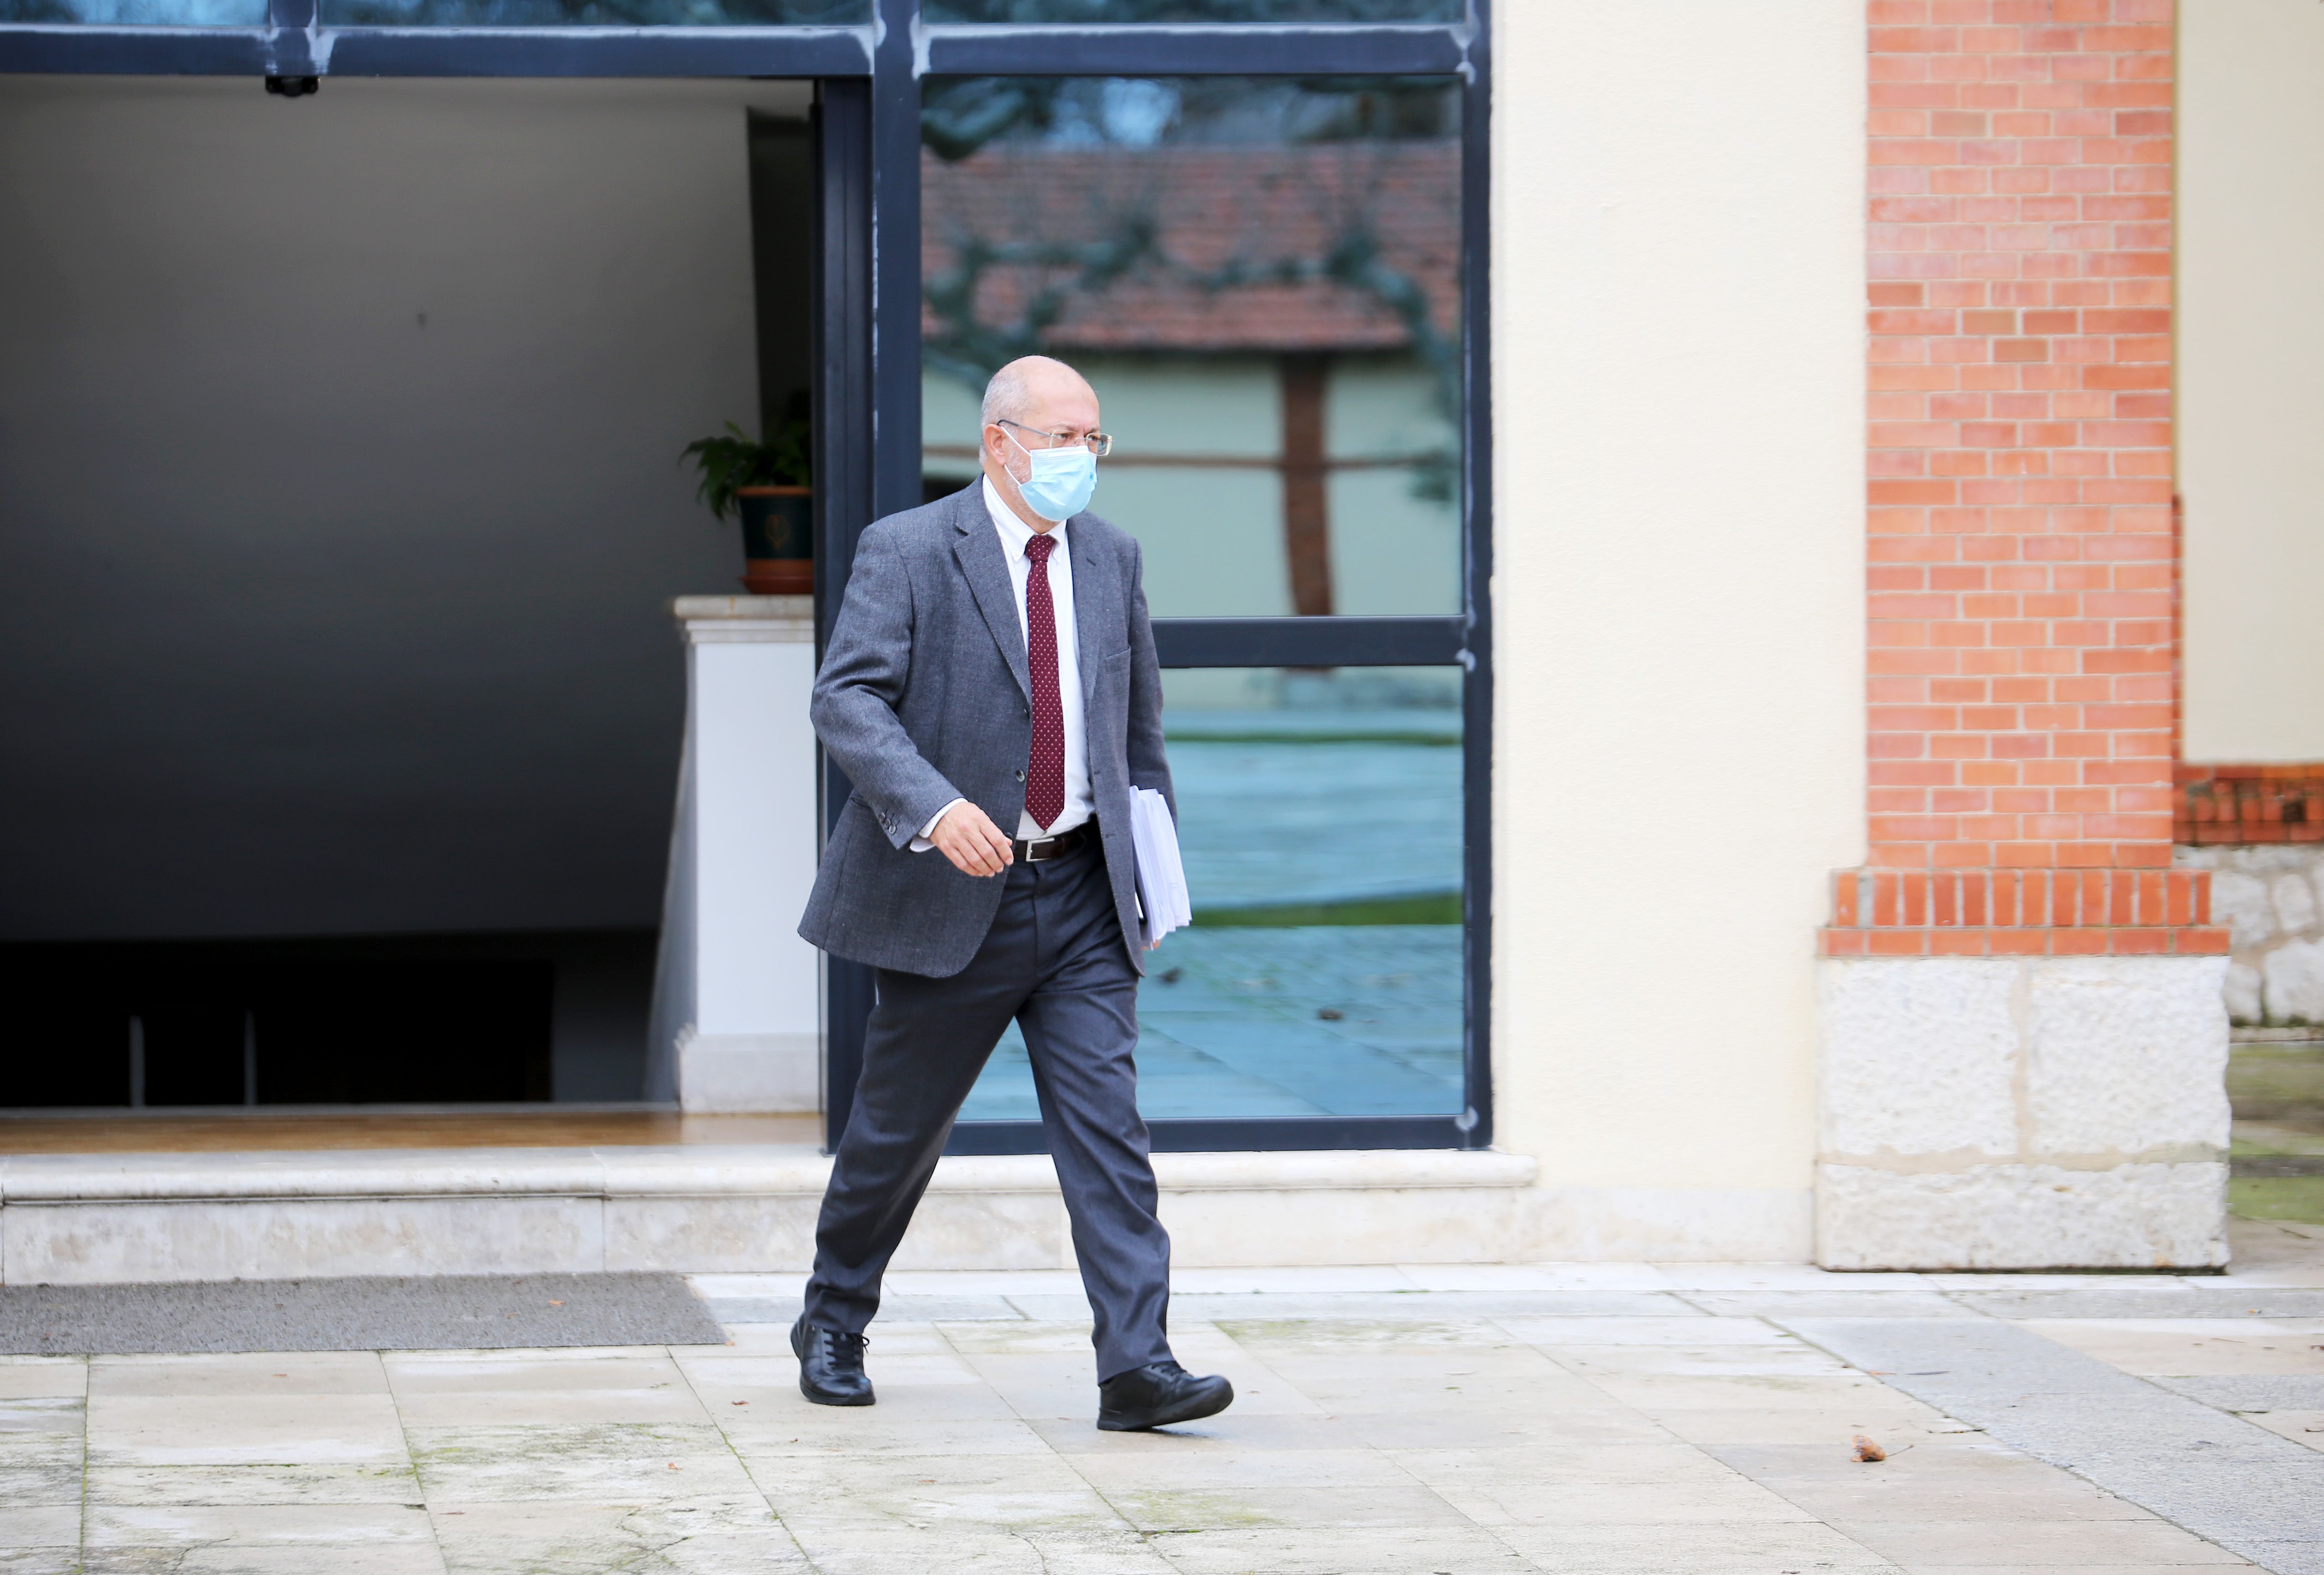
[[1198, 248]]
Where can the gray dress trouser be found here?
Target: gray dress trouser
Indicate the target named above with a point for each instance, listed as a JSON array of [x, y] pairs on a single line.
[[1054, 960]]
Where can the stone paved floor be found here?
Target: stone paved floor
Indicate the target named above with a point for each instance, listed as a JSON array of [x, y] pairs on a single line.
[[1634, 1419]]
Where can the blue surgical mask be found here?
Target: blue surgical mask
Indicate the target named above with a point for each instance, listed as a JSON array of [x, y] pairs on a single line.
[[1062, 480]]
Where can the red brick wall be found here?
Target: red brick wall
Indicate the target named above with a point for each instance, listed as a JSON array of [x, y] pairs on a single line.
[[2020, 595]]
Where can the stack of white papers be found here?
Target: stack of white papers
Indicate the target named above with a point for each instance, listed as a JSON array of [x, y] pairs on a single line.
[[1162, 898]]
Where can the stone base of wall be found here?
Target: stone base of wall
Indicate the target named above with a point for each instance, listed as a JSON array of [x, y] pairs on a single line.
[[1659, 1225], [2022, 1113], [2272, 900], [2022, 1216]]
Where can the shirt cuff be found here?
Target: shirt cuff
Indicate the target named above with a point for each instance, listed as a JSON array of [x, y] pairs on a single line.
[[920, 844]]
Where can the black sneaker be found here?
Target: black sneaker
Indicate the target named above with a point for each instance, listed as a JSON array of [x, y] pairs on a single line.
[[1158, 1395], [831, 1364]]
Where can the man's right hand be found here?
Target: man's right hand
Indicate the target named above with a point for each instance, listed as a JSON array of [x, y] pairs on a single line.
[[967, 836]]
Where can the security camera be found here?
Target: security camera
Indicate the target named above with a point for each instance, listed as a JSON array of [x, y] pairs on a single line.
[[292, 87]]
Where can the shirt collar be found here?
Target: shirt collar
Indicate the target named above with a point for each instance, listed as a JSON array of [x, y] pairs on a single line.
[[1014, 532]]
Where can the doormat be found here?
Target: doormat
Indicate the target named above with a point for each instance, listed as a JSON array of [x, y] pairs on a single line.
[[420, 1312]]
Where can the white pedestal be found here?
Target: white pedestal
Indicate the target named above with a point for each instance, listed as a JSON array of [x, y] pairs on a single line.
[[2022, 1113], [737, 1018]]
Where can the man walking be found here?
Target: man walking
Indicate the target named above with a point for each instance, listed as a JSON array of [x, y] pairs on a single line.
[[992, 666]]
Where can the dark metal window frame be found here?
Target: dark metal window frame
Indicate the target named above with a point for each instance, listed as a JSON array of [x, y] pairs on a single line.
[[867, 255]]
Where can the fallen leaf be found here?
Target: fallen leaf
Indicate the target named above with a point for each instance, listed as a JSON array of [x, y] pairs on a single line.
[[1869, 1451]]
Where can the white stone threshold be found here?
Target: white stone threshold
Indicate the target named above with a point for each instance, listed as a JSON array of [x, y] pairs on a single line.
[[111, 1218]]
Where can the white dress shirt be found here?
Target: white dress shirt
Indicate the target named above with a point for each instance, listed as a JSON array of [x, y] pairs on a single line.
[[1014, 532]]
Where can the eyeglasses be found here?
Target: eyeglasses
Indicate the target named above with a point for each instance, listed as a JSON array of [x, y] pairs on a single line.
[[1099, 444]]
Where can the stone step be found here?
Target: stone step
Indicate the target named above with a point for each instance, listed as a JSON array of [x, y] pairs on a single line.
[[113, 1217]]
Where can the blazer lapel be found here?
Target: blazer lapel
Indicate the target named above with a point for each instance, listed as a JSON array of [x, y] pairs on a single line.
[[1093, 614], [978, 551]]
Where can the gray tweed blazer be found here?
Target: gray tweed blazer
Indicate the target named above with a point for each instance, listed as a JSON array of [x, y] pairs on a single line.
[[925, 696]]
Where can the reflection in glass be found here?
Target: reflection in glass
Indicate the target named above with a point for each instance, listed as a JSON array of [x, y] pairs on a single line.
[[592, 12], [1261, 277], [1320, 816], [1210, 11], [138, 13]]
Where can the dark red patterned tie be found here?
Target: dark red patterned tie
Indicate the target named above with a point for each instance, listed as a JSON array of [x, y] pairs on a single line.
[[1045, 778]]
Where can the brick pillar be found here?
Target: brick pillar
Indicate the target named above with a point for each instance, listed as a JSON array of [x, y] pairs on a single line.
[[2021, 608], [2023, 1035]]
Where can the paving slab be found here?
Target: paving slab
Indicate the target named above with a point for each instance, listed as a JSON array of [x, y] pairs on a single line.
[[2190, 1298], [1698, 1548], [2218, 1477], [234, 1430], [609, 1462], [2300, 1392], [42, 1468], [240, 1485], [1434, 1550], [1953, 1544], [2192, 1347]]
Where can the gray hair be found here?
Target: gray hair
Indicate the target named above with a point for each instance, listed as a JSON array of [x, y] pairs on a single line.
[[1005, 397]]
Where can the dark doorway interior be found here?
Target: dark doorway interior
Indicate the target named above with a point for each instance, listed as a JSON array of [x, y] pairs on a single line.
[[782, 232], [340, 513], [395, 1019]]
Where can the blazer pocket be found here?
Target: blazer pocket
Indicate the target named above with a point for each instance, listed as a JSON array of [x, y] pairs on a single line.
[[1118, 657]]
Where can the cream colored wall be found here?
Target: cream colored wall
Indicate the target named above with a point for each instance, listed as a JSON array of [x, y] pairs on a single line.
[[1679, 462], [2251, 375]]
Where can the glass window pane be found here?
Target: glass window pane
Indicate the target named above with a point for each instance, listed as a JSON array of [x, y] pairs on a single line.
[[592, 13], [1211, 11], [1321, 821], [138, 13], [1261, 279]]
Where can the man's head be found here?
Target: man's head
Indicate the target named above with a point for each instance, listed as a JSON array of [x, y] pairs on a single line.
[[1031, 404]]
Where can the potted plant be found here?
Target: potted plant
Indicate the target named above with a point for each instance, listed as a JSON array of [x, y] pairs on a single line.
[[770, 485]]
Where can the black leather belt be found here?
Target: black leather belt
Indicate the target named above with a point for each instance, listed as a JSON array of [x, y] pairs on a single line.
[[1038, 849]]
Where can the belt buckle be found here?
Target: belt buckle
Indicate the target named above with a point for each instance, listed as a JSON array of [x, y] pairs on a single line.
[[1032, 843]]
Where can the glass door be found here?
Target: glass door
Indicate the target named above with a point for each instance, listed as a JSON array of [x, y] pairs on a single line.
[[1259, 226], [1262, 278]]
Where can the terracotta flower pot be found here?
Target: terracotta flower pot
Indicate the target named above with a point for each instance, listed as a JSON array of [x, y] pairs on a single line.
[[778, 540]]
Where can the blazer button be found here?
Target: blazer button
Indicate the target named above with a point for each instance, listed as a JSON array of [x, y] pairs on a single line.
[[1020, 776]]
